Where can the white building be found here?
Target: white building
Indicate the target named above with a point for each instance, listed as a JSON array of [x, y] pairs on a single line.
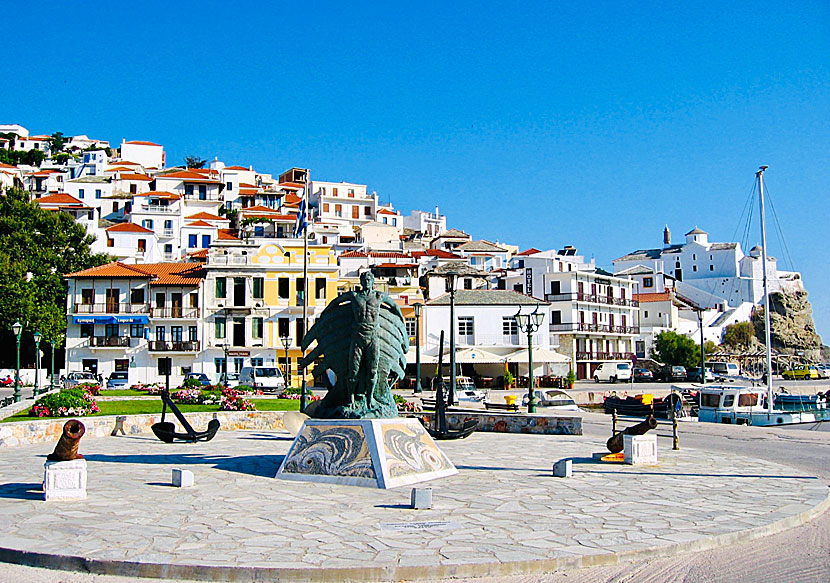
[[148, 154], [429, 224]]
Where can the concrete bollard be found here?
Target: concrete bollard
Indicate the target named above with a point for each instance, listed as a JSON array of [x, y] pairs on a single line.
[[182, 478], [563, 469], [421, 498]]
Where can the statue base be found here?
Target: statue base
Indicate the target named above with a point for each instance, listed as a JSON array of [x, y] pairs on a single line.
[[64, 480], [375, 453]]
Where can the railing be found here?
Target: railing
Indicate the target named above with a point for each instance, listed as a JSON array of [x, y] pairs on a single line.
[[111, 308], [590, 298], [167, 233], [489, 340], [229, 259], [198, 196], [168, 257], [604, 355], [157, 208], [584, 327], [171, 346], [174, 312], [109, 341]]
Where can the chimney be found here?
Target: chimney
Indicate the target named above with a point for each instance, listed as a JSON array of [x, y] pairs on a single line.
[[666, 236]]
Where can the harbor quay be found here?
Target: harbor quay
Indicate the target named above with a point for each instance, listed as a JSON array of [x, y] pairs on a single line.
[[504, 513]]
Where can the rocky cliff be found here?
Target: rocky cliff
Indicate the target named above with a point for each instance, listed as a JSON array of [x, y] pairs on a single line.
[[792, 328]]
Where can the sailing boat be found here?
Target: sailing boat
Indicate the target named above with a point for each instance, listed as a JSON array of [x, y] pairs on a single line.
[[744, 405]]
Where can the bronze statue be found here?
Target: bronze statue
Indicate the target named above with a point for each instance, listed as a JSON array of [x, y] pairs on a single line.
[[67, 447], [362, 340]]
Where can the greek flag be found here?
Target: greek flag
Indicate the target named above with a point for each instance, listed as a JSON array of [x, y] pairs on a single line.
[[301, 224]]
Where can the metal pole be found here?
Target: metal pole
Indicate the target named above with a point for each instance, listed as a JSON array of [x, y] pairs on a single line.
[[17, 396], [52, 375], [531, 397], [36, 392], [451, 396], [702, 351], [767, 333], [613, 421], [304, 389], [418, 388]]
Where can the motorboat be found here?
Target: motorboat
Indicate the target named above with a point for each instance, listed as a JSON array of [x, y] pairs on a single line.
[[553, 399], [742, 405]]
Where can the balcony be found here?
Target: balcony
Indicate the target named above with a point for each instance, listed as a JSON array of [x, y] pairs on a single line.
[[168, 233], [599, 328], [111, 308], [109, 341], [605, 356], [209, 197], [157, 208], [591, 299], [174, 312], [174, 346]]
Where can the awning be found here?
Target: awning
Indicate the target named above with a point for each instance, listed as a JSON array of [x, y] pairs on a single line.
[[425, 358], [131, 319], [92, 320], [539, 355], [474, 356]]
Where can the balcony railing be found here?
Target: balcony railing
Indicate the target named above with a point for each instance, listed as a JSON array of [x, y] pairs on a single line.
[[167, 233], [583, 327], [157, 208], [109, 341], [171, 346], [604, 355], [591, 298], [174, 312], [207, 197], [111, 308]]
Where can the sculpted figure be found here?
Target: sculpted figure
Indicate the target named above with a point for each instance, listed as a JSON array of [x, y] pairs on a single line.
[[362, 340]]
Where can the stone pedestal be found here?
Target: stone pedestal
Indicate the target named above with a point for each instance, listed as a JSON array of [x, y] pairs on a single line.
[[640, 449], [563, 469], [376, 453], [64, 480]]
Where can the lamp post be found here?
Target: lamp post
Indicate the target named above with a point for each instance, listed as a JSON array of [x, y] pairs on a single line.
[[17, 328], [225, 366], [418, 307], [702, 352], [287, 372], [530, 323], [37, 336], [52, 375]]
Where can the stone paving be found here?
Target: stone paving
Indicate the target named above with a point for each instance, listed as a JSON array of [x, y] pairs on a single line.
[[502, 514]]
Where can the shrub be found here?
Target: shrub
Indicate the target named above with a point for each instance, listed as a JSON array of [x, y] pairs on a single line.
[[92, 388], [231, 400], [298, 396], [292, 391], [151, 389], [74, 402], [191, 383]]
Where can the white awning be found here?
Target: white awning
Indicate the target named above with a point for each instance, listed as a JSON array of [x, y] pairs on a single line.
[[475, 356], [539, 355], [425, 358]]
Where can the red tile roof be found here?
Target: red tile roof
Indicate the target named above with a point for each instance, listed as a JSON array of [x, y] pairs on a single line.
[[206, 216], [199, 224], [175, 273], [440, 253], [61, 199], [188, 176], [353, 254], [114, 269], [127, 228], [386, 212], [653, 297], [201, 254], [237, 168], [161, 194], [134, 176], [227, 235], [140, 143], [531, 251]]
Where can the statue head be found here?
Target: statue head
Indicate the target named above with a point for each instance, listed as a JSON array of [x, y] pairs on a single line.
[[367, 280]]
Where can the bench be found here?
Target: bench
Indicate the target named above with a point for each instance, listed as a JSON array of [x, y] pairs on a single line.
[[502, 407]]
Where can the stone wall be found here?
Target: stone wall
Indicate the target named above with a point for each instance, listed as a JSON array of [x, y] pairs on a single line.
[[514, 422], [49, 430]]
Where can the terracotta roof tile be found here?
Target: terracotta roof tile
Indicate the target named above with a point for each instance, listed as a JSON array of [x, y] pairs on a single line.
[[199, 224], [114, 269], [161, 194], [134, 176], [127, 228], [237, 168], [653, 297], [526, 252], [141, 143], [227, 235], [60, 199], [206, 216]]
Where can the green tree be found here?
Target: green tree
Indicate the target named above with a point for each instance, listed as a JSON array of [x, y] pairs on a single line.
[[56, 143], [676, 349], [739, 335], [36, 248], [194, 162]]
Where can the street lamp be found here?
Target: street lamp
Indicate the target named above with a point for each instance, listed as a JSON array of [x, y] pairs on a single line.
[[418, 307], [37, 336], [530, 323], [17, 328], [225, 366], [287, 372], [52, 375]]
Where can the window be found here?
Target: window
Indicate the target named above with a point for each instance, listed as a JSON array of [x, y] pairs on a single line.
[[219, 363], [115, 207], [256, 362], [367, 212], [351, 193], [338, 210], [320, 288], [300, 292], [325, 207], [258, 283], [728, 400], [87, 330], [133, 189], [87, 296], [137, 330], [356, 212], [168, 251], [192, 333], [648, 282], [160, 333], [410, 327], [220, 331], [137, 295], [384, 220], [282, 290], [711, 268], [168, 225], [147, 224], [191, 241], [80, 193], [176, 333], [229, 185], [205, 241], [300, 331], [221, 287], [202, 192], [694, 267], [645, 314], [282, 327], [394, 222], [188, 189], [468, 283], [334, 192], [447, 284], [747, 399], [256, 328], [509, 326], [142, 245], [97, 193], [556, 317], [709, 400], [465, 326]]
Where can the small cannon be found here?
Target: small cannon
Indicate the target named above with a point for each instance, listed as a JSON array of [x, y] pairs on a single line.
[[615, 442], [67, 447]]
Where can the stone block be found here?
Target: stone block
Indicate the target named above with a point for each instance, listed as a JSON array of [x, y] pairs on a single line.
[[421, 498], [563, 469], [640, 449], [64, 480], [182, 478]]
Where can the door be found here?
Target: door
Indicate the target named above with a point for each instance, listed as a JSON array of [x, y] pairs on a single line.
[[239, 292], [112, 296], [239, 332], [176, 303]]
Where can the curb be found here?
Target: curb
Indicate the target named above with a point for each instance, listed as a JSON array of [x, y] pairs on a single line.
[[397, 573]]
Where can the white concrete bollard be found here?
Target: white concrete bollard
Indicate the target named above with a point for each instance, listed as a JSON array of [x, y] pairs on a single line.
[[65, 480], [640, 449], [563, 469], [182, 478], [421, 498]]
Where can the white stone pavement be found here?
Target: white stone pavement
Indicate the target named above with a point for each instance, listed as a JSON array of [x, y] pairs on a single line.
[[502, 514]]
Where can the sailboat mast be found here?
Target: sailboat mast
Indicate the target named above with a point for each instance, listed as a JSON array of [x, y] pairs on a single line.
[[767, 330]]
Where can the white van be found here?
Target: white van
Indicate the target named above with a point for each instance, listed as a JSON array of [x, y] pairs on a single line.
[[613, 372], [263, 378], [724, 369]]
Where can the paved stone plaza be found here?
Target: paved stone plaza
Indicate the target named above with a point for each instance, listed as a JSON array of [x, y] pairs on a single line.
[[503, 513]]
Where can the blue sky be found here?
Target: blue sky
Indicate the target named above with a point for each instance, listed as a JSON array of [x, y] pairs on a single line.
[[539, 124]]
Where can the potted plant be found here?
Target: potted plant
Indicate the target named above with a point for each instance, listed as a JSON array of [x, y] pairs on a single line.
[[508, 380], [570, 379]]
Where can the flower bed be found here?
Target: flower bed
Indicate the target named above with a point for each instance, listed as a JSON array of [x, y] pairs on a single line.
[[75, 402], [232, 400]]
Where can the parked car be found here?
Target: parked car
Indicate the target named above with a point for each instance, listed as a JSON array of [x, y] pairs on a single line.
[[199, 376], [670, 373], [801, 372], [613, 372], [724, 369], [264, 378], [118, 379], [643, 375], [76, 378], [693, 375]]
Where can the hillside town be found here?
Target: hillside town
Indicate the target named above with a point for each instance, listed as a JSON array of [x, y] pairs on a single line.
[[208, 270]]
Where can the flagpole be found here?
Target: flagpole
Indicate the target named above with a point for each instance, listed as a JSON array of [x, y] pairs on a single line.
[[304, 390]]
